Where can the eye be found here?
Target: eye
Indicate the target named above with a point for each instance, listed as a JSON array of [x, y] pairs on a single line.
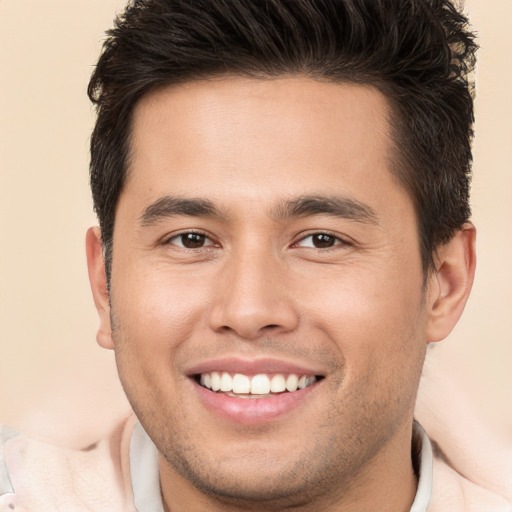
[[191, 240], [319, 241]]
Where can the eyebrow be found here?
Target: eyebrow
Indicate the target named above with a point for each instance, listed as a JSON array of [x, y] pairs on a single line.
[[169, 206], [304, 206], [344, 207]]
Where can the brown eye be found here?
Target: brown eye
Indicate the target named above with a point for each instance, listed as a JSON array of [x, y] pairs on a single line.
[[191, 240], [320, 241]]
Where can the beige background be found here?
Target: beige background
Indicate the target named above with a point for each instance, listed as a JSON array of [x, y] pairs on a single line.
[[52, 373]]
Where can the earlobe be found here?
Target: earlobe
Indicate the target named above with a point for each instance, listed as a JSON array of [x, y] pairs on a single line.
[[98, 281], [451, 282]]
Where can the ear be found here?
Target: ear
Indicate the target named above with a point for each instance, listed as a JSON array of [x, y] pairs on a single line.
[[451, 282], [98, 281]]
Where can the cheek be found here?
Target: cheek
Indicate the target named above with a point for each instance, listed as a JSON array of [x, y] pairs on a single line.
[[373, 317], [153, 317], [157, 310]]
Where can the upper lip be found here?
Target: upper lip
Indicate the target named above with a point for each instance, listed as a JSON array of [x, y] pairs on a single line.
[[254, 366]]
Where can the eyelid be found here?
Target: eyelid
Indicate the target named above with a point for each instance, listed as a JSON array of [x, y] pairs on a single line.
[[167, 240], [339, 240]]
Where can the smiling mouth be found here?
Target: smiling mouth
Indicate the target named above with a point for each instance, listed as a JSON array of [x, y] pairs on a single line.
[[256, 386]]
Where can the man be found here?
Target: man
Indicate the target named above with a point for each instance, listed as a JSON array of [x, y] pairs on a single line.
[[282, 191]]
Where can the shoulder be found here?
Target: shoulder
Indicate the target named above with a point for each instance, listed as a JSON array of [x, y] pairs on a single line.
[[452, 491], [472, 465], [39, 476]]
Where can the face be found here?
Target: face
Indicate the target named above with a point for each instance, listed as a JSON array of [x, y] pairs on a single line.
[[261, 240]]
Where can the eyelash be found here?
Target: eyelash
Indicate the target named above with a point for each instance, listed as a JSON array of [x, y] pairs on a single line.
[[182, 246], [336, 239]]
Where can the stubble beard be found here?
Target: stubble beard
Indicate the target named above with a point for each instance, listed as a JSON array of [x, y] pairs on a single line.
[[319, 476], [307, 481]]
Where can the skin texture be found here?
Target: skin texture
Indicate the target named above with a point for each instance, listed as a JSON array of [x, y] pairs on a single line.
[[356, 313]]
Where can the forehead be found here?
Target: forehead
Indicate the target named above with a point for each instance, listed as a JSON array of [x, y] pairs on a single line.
[[256, 139]]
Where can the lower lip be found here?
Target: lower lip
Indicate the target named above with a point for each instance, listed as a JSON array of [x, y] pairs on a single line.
[[253, 411]]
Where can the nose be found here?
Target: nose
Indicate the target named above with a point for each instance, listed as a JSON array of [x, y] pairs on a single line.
[[253, 299]]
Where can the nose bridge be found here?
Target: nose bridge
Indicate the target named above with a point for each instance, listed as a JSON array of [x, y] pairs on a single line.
[[252, 296]]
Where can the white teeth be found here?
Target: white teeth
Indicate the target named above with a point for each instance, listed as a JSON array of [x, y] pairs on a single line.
[[226, 382], [277, 384], [215, 381], [302, 382], [291, 382], [241, 384], [260, 384]]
